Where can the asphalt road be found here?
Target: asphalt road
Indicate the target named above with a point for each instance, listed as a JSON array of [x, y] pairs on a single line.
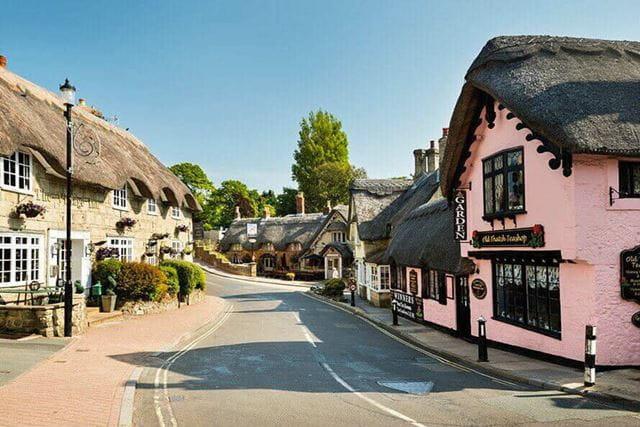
[[279, 357]]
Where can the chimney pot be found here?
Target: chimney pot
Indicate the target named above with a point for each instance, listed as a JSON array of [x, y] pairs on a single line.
[[300, 203], [433, 161], [266, 213], [82, 102], [328, 208], [420, 158], [238, 214], [3, 61], [445, 132]]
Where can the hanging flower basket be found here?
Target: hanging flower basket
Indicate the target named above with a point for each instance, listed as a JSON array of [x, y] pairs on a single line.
[[159, 236], [104, 253], [182, 227], [149, 254], [187, 251], [126, 223], [166, 250], [30, 209]]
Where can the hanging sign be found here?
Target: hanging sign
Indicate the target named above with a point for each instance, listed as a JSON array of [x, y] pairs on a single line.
[[630, 274], [479, 288], [198, 230], [252, 230], [532, 237], [460, 212], [408, 306], [635, 319], [413, 282]]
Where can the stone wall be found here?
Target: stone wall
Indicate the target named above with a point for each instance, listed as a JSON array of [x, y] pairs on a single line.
[[207, 255], [152, 307], [46, 320]]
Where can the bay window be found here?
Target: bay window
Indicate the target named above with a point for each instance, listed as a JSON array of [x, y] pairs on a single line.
[[528, 294], [629, 174], [20, 259], [503, 180], [17, 172]]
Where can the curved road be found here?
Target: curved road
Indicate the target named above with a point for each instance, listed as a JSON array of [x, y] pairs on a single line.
[[278, 357]]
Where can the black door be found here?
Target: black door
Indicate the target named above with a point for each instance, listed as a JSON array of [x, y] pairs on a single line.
[[463, 307]]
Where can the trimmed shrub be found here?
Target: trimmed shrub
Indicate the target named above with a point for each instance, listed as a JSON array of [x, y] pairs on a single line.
[[290, 276], [173, 283], [104, 269], [333, 288], [141, 281], [190, 275]]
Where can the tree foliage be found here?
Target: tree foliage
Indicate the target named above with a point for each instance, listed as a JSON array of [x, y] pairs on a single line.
[[193, 177], [286, 202]]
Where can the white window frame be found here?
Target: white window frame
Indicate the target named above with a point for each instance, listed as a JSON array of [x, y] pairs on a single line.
[[15, 159], [373, 277], [34, 259], [177, 246], [382, 286], [152, 207], [120, 199], [175, 212], [153, 260], [124, 246]]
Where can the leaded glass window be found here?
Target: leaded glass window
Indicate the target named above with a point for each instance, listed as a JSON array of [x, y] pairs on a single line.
[[503, 178]]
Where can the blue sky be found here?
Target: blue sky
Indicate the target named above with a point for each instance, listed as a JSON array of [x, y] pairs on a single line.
[[225, 84]]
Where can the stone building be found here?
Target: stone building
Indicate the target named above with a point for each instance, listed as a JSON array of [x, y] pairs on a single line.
[[311, 245], [116, 179]]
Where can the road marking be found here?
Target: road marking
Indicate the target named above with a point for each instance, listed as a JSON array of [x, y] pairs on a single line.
[[378, 405], [306, 334], [163, 370]]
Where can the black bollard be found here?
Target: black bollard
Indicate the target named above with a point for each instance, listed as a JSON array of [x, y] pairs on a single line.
[[394, 312], [482, 340], [590, 356], [353, 297]]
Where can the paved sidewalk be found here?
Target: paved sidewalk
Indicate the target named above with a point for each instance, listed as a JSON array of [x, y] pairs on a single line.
[[83, 384], [621, 385], [266, 280]]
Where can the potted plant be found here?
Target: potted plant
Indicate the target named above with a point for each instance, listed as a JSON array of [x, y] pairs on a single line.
[[29, 210], [187, 250], [126, 222], [108, 300]]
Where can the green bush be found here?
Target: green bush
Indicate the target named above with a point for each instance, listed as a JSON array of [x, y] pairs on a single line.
[[141, 281], [333, 288], [104, 269], [173, 283], [190, 275]]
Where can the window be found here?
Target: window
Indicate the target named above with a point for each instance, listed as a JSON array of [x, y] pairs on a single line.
[[503, 176], [629, 179], [153, 260], [235, 259], [295, 247], [267, 247], [20, 259], [373, 276], [339, 236], [528, 294], [236, 247], [124, 246], [176, 246], [434, 285], [175, 212], [385, 277], [120, 198], [16, 173], [267, 263], [152, 207], [401, 281]]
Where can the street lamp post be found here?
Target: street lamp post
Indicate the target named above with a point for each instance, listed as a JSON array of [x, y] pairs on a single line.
[[68, 93]]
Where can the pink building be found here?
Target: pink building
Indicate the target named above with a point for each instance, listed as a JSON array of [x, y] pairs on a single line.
[[541, 173]]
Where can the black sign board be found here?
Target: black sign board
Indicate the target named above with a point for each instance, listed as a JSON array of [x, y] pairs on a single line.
[[479, 288], [532, 237], [198, 230], [635, 319], [408, 306], [460, 212], [630, 274], [413, 282]]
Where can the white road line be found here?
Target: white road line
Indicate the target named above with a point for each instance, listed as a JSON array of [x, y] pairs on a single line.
[[162, 372], [380, 406], [306, 334]]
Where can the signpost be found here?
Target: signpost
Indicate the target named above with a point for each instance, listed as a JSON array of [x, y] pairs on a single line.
[[460, 222], [408, 306], [630, 274]]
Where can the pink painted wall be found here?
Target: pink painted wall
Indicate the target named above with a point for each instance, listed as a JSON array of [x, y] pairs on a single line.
[[578, 221], [440, 314]]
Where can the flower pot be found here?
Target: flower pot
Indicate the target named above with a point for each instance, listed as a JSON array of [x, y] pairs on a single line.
[[108, 303]]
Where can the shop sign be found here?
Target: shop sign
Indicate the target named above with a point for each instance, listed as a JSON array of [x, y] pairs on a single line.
[[479, 288], [630, 274], [460, 209], [413, 282], [635, 319], [532, 237], [408, 306], [252, 230], [198, 230]]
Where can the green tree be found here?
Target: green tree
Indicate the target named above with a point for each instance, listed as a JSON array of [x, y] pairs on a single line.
[[221, 203], [321, 141], [358, 173], [286, 202], [193, 177]]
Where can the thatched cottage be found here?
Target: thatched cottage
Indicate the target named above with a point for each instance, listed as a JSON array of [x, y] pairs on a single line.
[[117, 181], [311, 245]]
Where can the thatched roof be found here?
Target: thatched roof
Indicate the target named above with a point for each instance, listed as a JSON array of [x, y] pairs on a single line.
[[342, 248], [386, 219], [31, 119], [579, 94], [425, 239]]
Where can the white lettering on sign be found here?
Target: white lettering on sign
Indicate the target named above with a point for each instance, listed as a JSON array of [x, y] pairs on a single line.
[[460, 209]]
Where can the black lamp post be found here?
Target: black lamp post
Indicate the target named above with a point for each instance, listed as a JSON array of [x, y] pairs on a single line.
[[68, 93]]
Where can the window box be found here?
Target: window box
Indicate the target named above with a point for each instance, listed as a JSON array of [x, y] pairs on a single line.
[[503, 184]]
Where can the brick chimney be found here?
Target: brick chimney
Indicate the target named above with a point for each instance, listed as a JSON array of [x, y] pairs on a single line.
[[238, 214], [266, 212], [3, 61], [433, 161], [327, 209], [442, 145], [82, 102], [420, 158], [300, 203]]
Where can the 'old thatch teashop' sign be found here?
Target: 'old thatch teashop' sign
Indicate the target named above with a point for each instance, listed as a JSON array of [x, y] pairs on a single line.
[[460, 212], [532, 237], [630, 274]]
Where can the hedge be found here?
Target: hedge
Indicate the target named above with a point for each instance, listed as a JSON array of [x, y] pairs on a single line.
[[333, 288], [190, 275], [173, 283], [141, 281]]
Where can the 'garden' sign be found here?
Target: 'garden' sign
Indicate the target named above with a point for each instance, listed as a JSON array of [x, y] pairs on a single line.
[[460, 222]]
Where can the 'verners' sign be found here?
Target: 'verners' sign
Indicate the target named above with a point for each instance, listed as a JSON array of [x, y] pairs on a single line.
[[408, 306], [460, 213]]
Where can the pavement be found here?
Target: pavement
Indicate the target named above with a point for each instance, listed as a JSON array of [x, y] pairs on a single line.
[[280, 357], [84, 383], [616, 385], [18, 356]]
